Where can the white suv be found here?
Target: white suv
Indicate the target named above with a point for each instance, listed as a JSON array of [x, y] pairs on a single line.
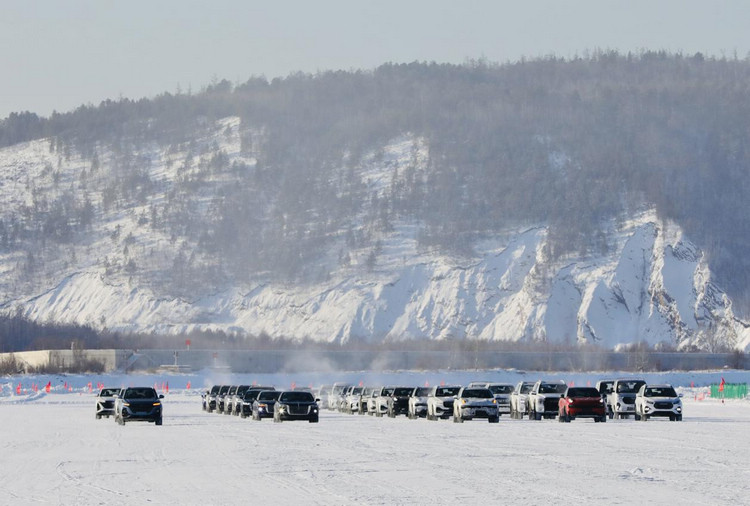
[[621, 402], [475, 402], [658, 400], [440, 401], [519, 399]]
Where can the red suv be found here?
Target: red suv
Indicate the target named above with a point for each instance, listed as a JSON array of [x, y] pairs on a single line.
[[581, 402]]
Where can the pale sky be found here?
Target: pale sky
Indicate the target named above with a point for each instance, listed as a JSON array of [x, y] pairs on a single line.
[[59, 54]]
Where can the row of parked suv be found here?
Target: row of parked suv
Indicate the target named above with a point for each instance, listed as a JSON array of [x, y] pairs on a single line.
[[261, 402], [536, 400], [477, 400]]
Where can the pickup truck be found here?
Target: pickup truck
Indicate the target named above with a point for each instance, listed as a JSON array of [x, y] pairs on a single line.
[[544, 398]]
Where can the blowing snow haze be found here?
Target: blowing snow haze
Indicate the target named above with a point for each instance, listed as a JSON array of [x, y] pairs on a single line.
[[592, 200]]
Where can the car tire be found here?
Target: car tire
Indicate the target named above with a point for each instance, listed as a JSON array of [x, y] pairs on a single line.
[[679, 418], [98, 416], [313, 419], [276, 418], [494, 419], [157, 421]]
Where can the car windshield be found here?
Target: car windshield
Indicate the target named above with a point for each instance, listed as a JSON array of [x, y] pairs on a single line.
[[268, 395], [140, 393], [215, 389], [447, 391], [108, 392], [422, 392], [660, 392], [629, 387], [387, 391], [251, 395], [501, 389], [224, 389], [297, 397], [526, 388], [402, 392], [583, 392], [476, 393], [356, 390], [552, 388]]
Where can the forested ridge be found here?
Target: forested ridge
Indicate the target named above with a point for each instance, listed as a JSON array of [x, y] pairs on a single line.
[[572, 143]]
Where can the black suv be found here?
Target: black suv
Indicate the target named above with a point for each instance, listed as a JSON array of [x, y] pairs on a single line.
[[398, 402], [246, 406], [296, 405], [141, 404]]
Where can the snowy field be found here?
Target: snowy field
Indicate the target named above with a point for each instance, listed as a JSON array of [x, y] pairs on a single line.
[[54, 451]]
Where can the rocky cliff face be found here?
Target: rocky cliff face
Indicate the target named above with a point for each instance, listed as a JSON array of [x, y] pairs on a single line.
[[653, 285]]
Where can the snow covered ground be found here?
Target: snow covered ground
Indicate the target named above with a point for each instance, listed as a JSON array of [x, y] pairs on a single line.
[[54, 451]]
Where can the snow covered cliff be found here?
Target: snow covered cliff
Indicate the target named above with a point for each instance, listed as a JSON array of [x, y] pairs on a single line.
[[652, 285]]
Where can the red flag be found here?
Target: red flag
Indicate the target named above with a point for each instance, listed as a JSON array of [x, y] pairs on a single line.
[[48, 387], [721, 385]]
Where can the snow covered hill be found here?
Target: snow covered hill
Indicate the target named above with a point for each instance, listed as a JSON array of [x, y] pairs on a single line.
[[651, 285]]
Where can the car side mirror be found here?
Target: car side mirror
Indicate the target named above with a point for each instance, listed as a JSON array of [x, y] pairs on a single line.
[[317, 400], [680, 395], [161, 396]]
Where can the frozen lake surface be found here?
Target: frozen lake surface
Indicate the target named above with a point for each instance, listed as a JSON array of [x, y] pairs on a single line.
[[54, 451]]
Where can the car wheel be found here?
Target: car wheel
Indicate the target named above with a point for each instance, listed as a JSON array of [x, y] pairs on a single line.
[[494, 419], [679, 418], [391, 414], [313, 419], [276, 418], [158, 421], [98, 416]]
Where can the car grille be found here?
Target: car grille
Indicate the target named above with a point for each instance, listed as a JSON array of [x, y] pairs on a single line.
[[551, 404], [663, 405], [295, 409], [628, 400], [448, 404]]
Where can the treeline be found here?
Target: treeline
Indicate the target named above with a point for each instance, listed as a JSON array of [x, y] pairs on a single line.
[[572, 143]]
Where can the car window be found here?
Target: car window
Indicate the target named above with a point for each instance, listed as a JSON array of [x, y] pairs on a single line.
[[583, 392], [422, 392], [297, 397], [552, 388], [140, 393], [660, 392], [476, 393], [526, 388], [629, 387], [501, 389], [447, 391]]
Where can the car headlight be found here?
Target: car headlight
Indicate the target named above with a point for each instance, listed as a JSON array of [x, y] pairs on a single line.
[[463, 401], [494, 401], [127, 404], [157, 404]]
